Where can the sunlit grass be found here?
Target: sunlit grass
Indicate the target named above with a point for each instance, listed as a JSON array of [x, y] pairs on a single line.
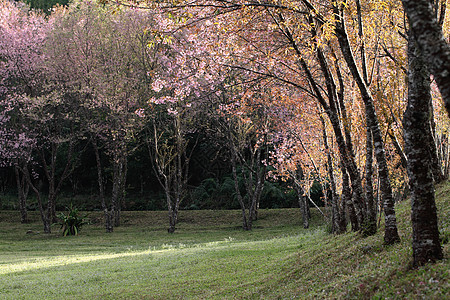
[[65, 260], [210, 257]]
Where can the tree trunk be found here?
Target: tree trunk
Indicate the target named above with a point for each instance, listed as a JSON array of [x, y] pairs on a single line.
[[357, 200], [172, 167], [344, 145], [121, 190], [22, 190], [55, 181], [305, 212], [445, 155], [398, 149], [173, 218], [260, 179], [51, 207], [335, 214], [347, 195], [50, 172], [260, 174], [436, 168], [303, 197], [117, 183], [370, 226], [391, 234], [302, 203], [246, 222], [332, 110], [427, 31], [109, 226], [45, 220], [416, 124]]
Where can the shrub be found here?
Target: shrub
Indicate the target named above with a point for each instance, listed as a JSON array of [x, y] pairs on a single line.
[[72, 222]]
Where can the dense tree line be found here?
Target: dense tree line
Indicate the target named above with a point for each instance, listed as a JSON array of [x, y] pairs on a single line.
[[207, 98]]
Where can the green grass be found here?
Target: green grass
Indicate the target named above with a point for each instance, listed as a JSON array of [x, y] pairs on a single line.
[[210, 257]]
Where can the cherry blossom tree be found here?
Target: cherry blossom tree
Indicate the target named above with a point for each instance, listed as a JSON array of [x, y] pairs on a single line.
[[176, 86], [168, 141], [23, 34], [103, 59], [16, 148], [245, 126]]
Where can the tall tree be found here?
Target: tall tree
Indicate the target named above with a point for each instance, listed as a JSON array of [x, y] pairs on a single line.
[[426, 244], [19, 48], [44, 118], [244, 125], [417, 126], [103, 59], [426, 28], [168, 144], [171, 111]]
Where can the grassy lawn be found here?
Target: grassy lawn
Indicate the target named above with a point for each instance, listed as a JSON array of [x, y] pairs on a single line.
[[209, 257]]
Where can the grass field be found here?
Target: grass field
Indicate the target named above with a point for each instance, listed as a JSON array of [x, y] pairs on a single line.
[[210, 257]]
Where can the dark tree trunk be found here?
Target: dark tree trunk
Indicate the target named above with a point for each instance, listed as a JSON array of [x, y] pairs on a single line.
[[335, 214], [123, 168], [45, 220], [22, 190], [346, 194], [436, 168], [55, 181], [306, 210], [173, 217], [370, 226], [416, 124], [116, 189], [51, 207], [260, 178], [50, 172], [346, 191], [344, 145], [445, 149], [347, 198], [108, 215], [303, 204], [171, 166], [357, 200], [246, 222], [54, 186], [427, 31], [303, 197]]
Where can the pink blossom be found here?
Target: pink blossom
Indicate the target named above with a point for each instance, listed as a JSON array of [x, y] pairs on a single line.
[[140, 112], [172, 111], [158, 85]]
